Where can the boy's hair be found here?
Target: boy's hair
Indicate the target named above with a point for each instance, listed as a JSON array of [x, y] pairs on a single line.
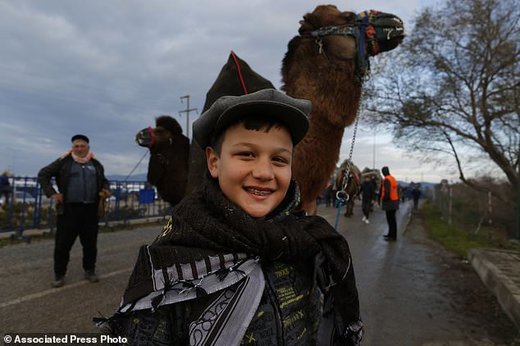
[[250, 122]]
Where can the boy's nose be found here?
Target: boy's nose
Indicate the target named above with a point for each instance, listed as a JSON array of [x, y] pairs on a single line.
[[263, 170]]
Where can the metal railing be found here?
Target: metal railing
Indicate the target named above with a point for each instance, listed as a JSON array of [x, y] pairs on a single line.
[[24, 206]]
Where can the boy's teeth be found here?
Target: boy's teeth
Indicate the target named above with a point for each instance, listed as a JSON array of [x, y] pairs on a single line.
[[258, 192]]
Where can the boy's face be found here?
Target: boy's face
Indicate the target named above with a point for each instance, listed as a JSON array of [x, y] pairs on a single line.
[[253, 168]]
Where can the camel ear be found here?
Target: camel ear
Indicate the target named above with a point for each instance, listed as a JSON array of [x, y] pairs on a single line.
[[349, 16], [212, 161]]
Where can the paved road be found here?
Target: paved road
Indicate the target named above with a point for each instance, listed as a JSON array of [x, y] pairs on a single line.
[[29, 304], [406, 288], [412, 292]]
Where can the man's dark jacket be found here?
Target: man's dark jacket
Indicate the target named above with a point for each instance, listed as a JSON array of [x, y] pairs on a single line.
[[60, 169]]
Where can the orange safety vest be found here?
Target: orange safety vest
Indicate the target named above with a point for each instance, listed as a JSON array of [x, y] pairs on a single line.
[[394, 193]]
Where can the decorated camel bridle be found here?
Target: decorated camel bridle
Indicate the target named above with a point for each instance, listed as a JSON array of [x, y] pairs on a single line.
[[374, 32]]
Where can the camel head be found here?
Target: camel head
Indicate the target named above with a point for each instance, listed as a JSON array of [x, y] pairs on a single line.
[[168, 164], [160, 141], [346, 35], [165, 129]]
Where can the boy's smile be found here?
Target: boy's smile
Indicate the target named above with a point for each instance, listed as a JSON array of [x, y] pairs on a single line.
[[253, 168]]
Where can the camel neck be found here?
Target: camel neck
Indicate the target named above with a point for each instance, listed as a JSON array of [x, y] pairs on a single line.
[[322, 125]]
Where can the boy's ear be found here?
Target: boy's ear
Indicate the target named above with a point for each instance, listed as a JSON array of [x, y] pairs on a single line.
[[212, 160]]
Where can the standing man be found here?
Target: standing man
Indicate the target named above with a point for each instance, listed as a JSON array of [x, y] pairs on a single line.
[[416, 194], [80, 178], [5, 188], [367, 197], [390, 202]]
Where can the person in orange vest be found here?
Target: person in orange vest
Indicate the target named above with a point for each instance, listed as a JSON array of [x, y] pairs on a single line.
[[390, 202]]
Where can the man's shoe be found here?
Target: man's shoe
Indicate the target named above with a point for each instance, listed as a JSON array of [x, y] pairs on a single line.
[[367, 221], [364, 218], [58, 282], [91, 276], [387, 238]]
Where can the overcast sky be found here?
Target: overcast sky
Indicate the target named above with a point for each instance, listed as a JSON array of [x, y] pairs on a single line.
[[108, 68]]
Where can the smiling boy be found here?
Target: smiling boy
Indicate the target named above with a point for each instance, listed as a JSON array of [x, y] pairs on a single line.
[[236, 264]]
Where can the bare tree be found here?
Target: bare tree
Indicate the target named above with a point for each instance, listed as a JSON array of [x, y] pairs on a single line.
[[456, 86]]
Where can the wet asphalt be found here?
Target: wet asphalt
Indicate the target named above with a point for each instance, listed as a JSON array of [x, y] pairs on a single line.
[[411, 291]]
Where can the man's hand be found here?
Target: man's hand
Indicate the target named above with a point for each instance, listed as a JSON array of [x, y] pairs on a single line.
[[104, 193], [58, 198]]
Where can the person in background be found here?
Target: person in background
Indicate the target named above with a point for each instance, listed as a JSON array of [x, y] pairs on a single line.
[[416, 194], [329, 198], [5, 187], [367, 197], [237, 264], [377, 189], [80, 181], [390, 202]]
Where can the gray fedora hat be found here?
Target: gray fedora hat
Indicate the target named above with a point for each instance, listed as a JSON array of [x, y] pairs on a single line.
[[291, 112]]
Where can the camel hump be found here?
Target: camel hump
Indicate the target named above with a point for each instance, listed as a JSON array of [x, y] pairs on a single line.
[[169, 123]]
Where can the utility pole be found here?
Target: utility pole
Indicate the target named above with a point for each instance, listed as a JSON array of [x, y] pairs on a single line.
[[187, 111], [374, 151]]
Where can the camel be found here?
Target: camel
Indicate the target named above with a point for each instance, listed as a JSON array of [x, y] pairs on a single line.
[[348, 186], [326, 64]]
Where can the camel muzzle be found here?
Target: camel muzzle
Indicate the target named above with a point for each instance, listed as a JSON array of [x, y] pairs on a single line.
[[145, 137], [382, 31], [375, 32]]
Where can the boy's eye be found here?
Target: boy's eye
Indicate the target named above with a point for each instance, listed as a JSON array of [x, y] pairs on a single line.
[[281, 160], [247, 154]]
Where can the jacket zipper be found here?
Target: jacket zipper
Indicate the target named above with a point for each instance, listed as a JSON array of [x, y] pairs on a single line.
[[278, 312]]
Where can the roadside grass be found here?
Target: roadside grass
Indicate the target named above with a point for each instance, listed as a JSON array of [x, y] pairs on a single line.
[[459, 238]]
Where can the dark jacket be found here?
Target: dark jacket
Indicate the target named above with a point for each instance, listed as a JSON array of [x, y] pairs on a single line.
[[368, 192], [5, 187], [60, 170], [289, 314]]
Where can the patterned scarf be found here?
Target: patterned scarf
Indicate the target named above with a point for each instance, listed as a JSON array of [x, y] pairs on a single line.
[[81, 160]]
